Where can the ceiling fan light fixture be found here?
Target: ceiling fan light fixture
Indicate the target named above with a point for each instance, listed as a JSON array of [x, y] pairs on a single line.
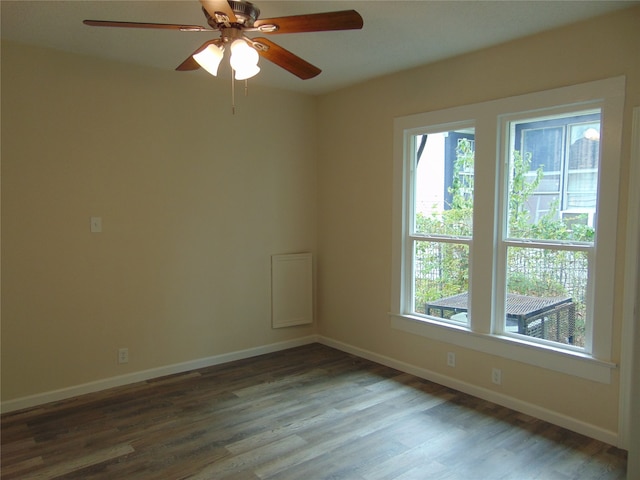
[[248, 72], [210, 58], [244, 60]]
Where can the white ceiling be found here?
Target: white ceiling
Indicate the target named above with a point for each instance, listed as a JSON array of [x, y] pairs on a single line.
[[397, 34]]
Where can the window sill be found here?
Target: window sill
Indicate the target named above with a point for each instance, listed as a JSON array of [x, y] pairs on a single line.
[[573, 363]]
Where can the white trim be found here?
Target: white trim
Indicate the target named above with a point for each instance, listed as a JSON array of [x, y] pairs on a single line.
[[536, 411], [560, 360], [630, 327], [120, 380]]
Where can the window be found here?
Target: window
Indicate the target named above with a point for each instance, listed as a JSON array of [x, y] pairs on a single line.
[[442, 221], [504, 220], [552, 170]]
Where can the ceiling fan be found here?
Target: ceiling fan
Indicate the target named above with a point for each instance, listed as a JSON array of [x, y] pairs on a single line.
[[233, 19]]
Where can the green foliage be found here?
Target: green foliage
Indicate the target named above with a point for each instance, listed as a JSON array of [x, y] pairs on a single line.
[[550, 226], [461, 189], [445, 269], [520, 189], [524, 284]]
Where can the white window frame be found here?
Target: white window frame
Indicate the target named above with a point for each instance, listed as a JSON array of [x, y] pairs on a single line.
[[486, 304]]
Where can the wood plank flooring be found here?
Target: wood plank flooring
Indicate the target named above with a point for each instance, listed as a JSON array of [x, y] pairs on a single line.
[[302, 414]]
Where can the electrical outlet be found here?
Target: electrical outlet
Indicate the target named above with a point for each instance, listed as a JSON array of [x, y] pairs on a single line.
[[451, 359], [123, 355], [496, 376]]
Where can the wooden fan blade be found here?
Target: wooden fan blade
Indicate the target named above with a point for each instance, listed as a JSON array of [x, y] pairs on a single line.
[[220, 6], [315, 22], [166, 26], [190, 63], [287, 60]]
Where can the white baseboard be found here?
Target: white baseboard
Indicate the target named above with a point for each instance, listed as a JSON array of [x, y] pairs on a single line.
[[120, 380], [536, 411]]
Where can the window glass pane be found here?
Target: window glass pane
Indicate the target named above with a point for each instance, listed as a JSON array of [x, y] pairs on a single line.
[[441, 280], [553, 178], [540, 205], [544, 146], [443, 195], [546, 294], [581, 191], [549, 183], [585, 145]]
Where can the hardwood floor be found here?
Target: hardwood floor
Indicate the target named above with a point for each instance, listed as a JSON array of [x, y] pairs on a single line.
[[303, 414]]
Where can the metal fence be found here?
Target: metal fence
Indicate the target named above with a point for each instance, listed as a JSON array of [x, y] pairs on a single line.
[[441, 270]]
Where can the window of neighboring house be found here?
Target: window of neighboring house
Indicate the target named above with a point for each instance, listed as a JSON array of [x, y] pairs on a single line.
[[505, 220]]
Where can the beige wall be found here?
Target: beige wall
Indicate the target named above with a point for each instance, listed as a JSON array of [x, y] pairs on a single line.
[[193, 202], [355, 197]]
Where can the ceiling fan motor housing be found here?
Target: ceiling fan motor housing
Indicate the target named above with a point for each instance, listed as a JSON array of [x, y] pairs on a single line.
[[246, 12]]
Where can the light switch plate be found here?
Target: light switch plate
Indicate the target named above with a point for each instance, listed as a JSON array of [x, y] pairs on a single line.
[[96, 224]]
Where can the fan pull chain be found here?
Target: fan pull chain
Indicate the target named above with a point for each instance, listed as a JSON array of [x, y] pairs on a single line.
[[233, 92]]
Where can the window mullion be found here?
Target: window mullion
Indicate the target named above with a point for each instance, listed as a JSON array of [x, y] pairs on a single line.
[[482, 266]]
